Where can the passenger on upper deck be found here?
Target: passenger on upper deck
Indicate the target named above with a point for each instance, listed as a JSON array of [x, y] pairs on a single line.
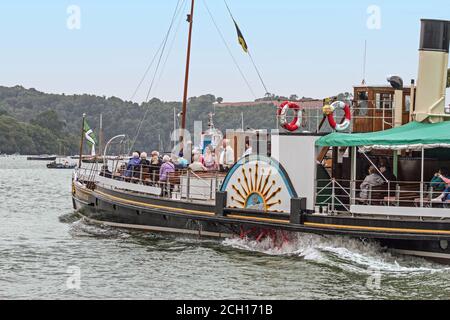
[[120, 172], [145, 166], [144, 161], [386, 169], [210, 159], [197, 165], [166, 168], [104, 172], [248, 149], [445, 196], [197, 151], [436, 182], [181, 163], [226, 159], [133, 166], [372, 180], [155, 165]]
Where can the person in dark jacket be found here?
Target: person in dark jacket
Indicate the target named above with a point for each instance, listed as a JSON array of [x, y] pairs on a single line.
[[105, 172], [155, 165], [133, 166], [386, 169]]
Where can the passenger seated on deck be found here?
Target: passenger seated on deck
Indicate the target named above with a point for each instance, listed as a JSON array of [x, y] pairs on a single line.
[[210, 161], [104, 172], [120, 172], [197, 166], [145, 166], [386, 169], [155, 165], [226, 158], [372, 180], [133, 166], [166, 168], [436, 182], [445, 196], [181, 163]]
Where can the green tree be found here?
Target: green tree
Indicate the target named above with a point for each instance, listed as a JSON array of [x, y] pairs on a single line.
[[49, 119]]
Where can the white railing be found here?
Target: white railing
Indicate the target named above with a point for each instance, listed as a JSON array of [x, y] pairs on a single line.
[[181, 184], [340, 195]]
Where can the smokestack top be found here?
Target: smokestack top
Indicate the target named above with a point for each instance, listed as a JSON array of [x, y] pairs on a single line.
[[435, 35]]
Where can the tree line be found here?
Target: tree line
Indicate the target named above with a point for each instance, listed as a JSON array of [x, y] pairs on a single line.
[[33, 122]]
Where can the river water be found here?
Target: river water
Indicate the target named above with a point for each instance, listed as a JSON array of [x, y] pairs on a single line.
[[46, 252]]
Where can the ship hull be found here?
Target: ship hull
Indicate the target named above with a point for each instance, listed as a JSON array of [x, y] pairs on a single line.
[[138, 212]]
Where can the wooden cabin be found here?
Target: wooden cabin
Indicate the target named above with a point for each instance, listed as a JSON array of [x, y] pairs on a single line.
[[374, 108]]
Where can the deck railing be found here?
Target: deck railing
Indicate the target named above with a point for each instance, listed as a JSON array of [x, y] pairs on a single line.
[[339, 195], [180, 184]]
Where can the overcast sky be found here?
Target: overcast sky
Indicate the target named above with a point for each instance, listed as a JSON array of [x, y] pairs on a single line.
[[310, 48]]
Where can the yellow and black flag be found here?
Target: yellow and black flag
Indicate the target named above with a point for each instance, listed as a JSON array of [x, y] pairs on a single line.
[[241, 38]]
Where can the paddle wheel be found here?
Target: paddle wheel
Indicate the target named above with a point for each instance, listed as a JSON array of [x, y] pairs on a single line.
[[277, 237]]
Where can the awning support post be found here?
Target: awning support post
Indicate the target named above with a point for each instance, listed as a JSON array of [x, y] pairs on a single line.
[[395, 163], [422, 177], [353, 176]]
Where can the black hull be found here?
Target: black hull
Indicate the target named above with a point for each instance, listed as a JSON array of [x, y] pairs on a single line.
[[132, 211], [41, 158]]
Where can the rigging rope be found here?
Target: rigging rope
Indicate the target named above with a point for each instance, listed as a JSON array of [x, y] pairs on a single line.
[[164, 46], [175, 14], [146, 72], [172, 43], [153, 60], [228, 49], [248, 51]]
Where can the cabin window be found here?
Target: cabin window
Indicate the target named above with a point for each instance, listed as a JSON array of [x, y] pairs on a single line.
[[383, 101]]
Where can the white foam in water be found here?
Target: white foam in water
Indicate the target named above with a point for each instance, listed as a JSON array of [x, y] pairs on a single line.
[[81, 228], [348, 254]]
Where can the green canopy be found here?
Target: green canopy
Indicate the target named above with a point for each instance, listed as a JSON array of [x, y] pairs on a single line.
[[414, 135]]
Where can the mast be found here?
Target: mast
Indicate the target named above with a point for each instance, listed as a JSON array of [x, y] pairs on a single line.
[[81, 141], [190, 19], [100, 138]]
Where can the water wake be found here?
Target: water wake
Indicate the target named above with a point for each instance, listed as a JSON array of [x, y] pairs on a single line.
[[352, 255], [81, 228]]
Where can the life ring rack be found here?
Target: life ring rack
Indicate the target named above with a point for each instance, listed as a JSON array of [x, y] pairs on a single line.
[[296, 123]]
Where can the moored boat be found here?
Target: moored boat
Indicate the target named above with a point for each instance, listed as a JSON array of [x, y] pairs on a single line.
[[55, 165], [41, 158]]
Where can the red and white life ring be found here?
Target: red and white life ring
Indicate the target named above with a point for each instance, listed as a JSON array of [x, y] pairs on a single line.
[[296, 123], [329, 111]]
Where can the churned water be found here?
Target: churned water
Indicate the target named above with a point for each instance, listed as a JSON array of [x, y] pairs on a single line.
[[47, 253]]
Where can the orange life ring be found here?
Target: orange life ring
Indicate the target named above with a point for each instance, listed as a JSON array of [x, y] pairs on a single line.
[[296, 123], [329, 112]]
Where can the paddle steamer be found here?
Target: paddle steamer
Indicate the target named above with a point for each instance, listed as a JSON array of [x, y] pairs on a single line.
[[310, 182]]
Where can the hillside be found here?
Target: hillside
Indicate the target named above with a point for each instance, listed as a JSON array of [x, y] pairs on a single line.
[[33, 122]]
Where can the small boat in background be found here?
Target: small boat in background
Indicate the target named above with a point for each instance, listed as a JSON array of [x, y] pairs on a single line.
[[93, 159], [65, 165], [42, 158]]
